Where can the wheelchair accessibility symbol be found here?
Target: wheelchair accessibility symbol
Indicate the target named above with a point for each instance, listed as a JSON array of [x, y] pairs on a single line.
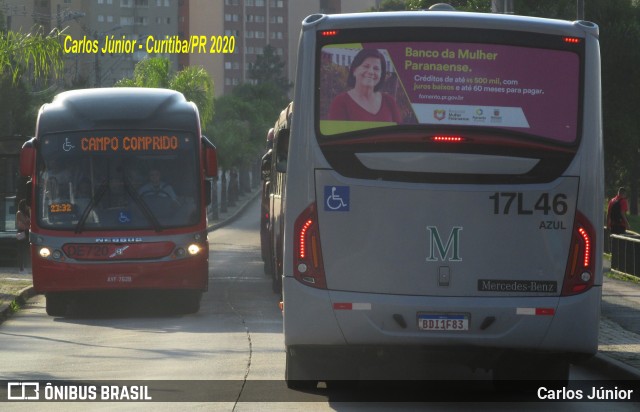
[[125, 217], [336, 198]]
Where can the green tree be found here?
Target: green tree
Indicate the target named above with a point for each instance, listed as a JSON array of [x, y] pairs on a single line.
[[391, 5], [197, 86], [33, 52], [239, 128], [619, 23], [193, 82], [270, 68], [461, 5]]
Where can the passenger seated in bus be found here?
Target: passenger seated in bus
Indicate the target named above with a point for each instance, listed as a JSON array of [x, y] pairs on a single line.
[[156, 187]]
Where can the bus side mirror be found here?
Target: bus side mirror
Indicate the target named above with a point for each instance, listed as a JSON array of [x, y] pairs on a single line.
[[282, 151], [266, 166], [27, 160], [210, 158]]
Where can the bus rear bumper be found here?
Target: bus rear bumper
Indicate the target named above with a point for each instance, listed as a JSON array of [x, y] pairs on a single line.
[[545, 324], [190, 273]]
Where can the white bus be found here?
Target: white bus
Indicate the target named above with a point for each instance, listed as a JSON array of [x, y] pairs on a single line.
[[444, 194]]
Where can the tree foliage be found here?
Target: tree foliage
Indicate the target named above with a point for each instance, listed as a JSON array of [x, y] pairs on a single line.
[[270, 68], [460, 5], [241, 122], [242, 118], [193, 82], [36, 52]]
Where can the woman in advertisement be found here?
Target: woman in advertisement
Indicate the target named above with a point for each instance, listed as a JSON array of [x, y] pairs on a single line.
[[364, 101]]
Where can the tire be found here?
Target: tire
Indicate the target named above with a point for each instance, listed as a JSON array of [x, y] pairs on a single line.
[[516, 373], [188, 302], [276, 278], [296, 374], [56, 304]]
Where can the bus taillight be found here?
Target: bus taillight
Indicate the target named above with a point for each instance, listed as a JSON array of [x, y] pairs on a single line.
[[307, 259], [579, 276], [447, 139], [572, 40], [329, 33]]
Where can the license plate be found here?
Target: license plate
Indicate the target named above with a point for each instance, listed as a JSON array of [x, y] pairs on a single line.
[[439, 321]]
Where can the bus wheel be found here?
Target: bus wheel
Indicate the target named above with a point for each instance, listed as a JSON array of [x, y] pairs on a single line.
[[188, 302], [296, 375], [517, 373], [268, 266], [56, 304], [276, 283]]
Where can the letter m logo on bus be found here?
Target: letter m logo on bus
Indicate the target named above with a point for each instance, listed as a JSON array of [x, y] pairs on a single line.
[[436, 245]]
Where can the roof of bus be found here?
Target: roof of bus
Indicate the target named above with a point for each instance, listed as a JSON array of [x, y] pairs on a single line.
[[118, 108], [424, 18]]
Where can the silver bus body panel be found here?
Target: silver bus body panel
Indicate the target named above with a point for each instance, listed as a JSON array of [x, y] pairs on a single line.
[[362, 265], [396, 236], [309, 320]]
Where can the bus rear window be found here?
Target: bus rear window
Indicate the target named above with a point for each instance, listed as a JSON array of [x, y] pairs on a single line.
[[515, 88]]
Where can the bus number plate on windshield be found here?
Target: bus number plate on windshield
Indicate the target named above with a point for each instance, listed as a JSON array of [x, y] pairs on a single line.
[[441, 321]]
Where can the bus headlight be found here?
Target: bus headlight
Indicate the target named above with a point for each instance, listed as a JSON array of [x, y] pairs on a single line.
[[193, 249], [45, 252]]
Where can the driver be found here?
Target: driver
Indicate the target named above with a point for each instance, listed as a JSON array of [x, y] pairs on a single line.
[[156, 187]]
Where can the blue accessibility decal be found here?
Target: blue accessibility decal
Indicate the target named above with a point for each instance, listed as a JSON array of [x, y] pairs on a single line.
[[336, 198]]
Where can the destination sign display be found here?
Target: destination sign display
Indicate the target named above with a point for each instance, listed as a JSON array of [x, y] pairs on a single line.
[[117, 142], [61, 208], [128, 143]]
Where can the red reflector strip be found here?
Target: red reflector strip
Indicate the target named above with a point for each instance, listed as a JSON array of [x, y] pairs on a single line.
[[447, 139], [545, 311], [328, 33], [572, 40], [536, 311], [351, 306]]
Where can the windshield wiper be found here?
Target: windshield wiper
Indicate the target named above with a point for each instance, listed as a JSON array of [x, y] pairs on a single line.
[[142, 205], [102, 189]]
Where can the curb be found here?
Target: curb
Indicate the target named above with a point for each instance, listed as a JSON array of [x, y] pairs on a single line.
[[236, 213], [614, 367], [20, 299]]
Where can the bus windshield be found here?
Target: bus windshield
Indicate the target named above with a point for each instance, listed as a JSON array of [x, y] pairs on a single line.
[[116, 180], [506, 84]]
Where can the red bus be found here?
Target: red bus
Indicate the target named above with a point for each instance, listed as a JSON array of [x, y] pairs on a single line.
[[118, 195]]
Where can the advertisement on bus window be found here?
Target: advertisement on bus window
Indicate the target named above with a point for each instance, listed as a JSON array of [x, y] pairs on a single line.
[[527, 90]]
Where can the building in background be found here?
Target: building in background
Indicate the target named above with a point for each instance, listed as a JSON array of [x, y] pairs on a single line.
[[97, 20], [253, 23]]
